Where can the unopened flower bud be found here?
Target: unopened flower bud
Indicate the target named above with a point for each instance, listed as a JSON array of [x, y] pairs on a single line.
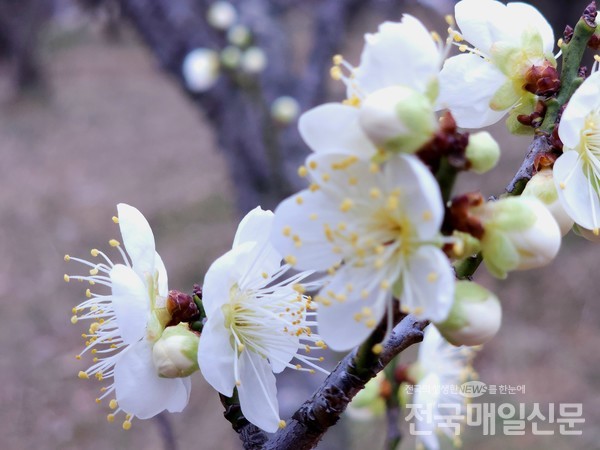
[[221, 15], [475, 316], [254, 60], [398, 119], [543, 79], [200, 69], [181, 307], [519, 234], [285, 109], [175, 353], [231, 57], [483, 152], [542, 187]]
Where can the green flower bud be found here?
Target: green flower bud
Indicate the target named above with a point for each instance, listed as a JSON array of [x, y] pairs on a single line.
[[520, 233], [475, 316], [483, 152], [398, 119], [175, 353], [542, 187]]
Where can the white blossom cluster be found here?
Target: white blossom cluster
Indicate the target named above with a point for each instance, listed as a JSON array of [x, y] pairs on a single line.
[[377, 230]]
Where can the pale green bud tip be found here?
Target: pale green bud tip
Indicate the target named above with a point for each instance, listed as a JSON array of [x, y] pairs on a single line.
[[221, 15], [231, 57], [475, 316], [285, 109], [398, 119], [200, 69], [542, 187], [254, 60], [239, 35], [483, 152], [175, 353]]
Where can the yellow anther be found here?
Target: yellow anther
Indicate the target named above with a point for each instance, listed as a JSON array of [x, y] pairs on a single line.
[[302, 171], [297, 241], [458, 248], [78, 357], [98, 400], [375, 193], [346, 205], [99, 376], [88, 293], [287, 231], [114, 243], [418, 310], [385, 284], [366, 311], [325, 177], [560, 43], [92, 282], [240, 348], [113, 404], [352, 101], [314, 187], [238, 383], [312, 165], [374, 168], [435, 36], [344, 163], [66, 278], [449, 20], [115, 219], [281, 424], [82, 375], [371, 323], [432, 277], [299, 200], [94, 327], [74, 319], [377, 349], [291, 260], [357, 317], [127, 425], [337, 60], [596, 231], [427, 216], [94, 271], [353, 181], [299, 288], [462, 48], [562, 185], [110, 418], [265, 275], [313, 216], [597, 58], [67, 258], [336, 73]]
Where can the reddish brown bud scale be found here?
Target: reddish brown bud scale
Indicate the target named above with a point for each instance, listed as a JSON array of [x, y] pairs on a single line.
[[568, 34], [542, 80], [589, 15], [460, 216], [181, 307]]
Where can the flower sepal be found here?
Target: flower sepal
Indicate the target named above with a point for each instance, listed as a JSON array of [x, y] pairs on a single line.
[[175, 352]]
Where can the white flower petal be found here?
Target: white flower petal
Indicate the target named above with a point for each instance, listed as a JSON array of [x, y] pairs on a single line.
[[334, 128], [139, 389], [398, 54], [258, 392], [216, 355], [467, 85], [423, 199], [130, 303], [428, 284], [254, 227], [163, 280], [337, 323], [574, 193], [428, 394], [523, 16], [485, 22], [585, 99], [137, 239]]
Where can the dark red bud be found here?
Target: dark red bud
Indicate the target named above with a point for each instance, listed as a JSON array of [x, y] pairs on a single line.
[[461, 217], [181, 307], [589, 15], [542, 80], [568, 34]]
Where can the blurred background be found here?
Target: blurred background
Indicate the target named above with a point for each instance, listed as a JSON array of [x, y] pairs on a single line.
[[94, 111]]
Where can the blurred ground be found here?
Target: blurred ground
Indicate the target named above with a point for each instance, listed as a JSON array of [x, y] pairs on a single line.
[[114, 129]]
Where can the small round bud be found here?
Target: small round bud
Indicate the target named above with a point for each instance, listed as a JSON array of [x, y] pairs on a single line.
[[542, 187], [200, 69], [231, 57], [398, 118], [221, 15], [254, 60], [239, 35], [483, 152], [175, 353], [519, 234], [475, 316], [285, 109]]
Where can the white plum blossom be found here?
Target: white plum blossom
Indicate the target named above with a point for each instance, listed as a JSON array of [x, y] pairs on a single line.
[[375, 229], [402, 58], [483, 84], [577, 170], [258, 322], [127, 322], [439, 366]]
